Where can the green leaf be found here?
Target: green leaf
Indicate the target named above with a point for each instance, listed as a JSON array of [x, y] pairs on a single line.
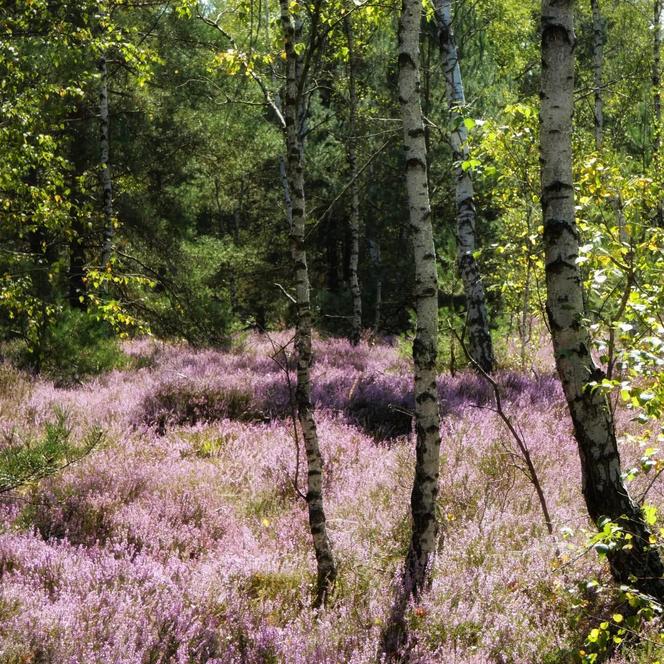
[[650, 514]]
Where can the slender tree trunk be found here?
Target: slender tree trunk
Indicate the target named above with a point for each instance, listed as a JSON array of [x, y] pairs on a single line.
[[283, 175], [331, 254], [374, 254], [295, 172], [44, 256], [42, 249], [656, 70], [657, 94], [76, 291], [480, 346], [427, 417], [524, 323], [603, 487], [425, 346], [356, 293], [105, 174], [288, 203], [237, 215], [221, 226], [619, 208], [598, 63], [76, 275], [373, 248]]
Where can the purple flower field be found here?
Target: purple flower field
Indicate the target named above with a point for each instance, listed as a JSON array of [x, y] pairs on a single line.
[[181, 538]]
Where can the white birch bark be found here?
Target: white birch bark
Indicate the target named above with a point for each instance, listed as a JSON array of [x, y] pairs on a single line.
[[292, 105], [480, 345], [354, 222], [603, 488], [427, 416]]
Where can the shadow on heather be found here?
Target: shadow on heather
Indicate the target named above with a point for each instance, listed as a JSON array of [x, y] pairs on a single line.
[[379, 404]]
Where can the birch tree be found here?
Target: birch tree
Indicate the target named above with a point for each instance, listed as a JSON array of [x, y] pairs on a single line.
[[656, 77], [76, 274], [603, 488], [293, 109], [288, 109], [427, 417], [479, 336], [374, 255], [656, 69], [356, 293]]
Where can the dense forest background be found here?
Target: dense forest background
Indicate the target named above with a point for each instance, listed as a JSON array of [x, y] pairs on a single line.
[[199, 232], [256, 256]]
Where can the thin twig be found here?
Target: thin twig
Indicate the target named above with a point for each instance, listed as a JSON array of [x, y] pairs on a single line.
[[650, 485], [286, 293], [520, 441], [249, 71], [278, 350]]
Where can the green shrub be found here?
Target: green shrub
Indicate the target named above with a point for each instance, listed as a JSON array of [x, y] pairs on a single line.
[[77, 345], [23, 461], [193, 300]]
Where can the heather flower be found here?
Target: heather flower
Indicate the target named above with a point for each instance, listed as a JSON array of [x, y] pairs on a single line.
[[184, 538]]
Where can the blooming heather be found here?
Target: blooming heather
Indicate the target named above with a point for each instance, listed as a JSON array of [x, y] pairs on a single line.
[[184, 537]]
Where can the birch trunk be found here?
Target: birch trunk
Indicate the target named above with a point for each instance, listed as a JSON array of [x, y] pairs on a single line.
[[76, 291], [326, 568], [603, 488], [105, 174], [480, 345], [288, 203], [657, 95], [356, 294], [656, 69], [598, 62], [427, 417], [76, 288]]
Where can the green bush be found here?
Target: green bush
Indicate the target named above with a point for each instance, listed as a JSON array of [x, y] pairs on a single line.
[[77, 345], [23, 461], [192, 300]]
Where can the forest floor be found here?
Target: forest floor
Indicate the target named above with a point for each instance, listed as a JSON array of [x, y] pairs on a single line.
[[181, 536]]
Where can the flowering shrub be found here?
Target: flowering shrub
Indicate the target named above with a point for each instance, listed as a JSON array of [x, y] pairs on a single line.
[[183, 538]]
